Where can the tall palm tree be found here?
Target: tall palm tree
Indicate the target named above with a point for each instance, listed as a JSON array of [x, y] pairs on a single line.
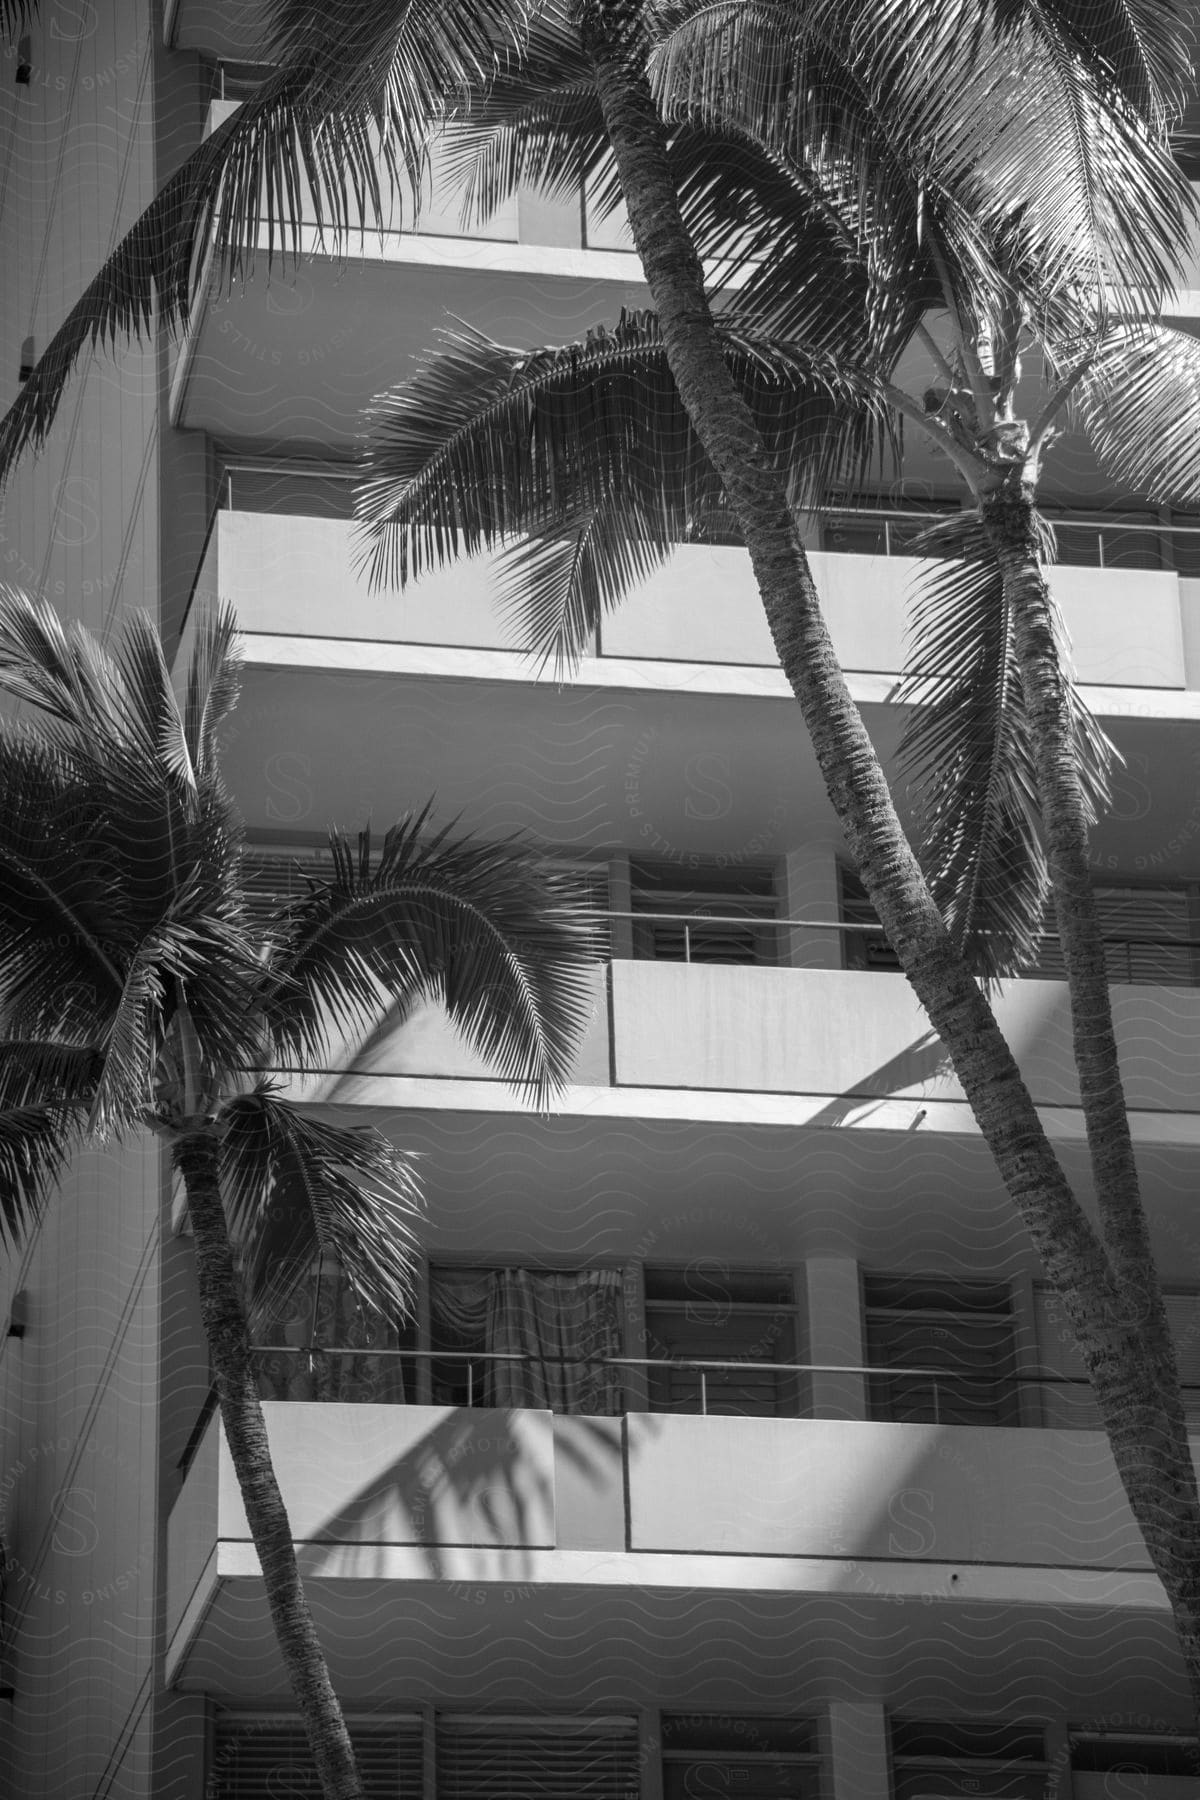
[[1044, 95], [607, 463], [141, 991]]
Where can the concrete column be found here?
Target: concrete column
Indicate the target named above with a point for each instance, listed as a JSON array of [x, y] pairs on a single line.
[[857, 1751], [620, 899], [809, 890], [835, 1336]]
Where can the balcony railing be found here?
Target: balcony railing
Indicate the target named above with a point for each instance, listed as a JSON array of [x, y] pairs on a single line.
[[1133, 958], [895, 1393], [1083, 541]]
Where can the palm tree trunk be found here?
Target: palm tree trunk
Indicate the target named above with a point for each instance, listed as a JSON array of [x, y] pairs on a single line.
[[1009, 517], [197, 1158], [1123, 1375]]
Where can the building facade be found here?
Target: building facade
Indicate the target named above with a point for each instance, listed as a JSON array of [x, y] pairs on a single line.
[[736, 1446]]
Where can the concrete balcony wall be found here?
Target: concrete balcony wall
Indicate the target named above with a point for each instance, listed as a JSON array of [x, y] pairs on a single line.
[[826, 1488], [370, 1476], [1124, 623], [852, 1032], [292, 575], [428, 1044], [375, 1474]]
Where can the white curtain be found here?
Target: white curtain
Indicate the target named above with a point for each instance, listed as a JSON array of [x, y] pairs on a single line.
[[551, 1333]]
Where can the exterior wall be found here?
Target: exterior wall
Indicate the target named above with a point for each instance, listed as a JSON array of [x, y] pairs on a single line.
[[79, 523], [297, 575]]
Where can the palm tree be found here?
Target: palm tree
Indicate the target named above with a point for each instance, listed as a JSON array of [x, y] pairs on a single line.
[[141, 990], [1042, 99], [606, 463]]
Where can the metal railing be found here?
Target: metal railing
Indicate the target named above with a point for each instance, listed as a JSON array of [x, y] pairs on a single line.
[[1083, 539], [946, 1395], [1132, 956]]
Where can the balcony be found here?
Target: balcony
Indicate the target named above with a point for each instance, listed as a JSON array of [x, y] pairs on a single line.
[[846, 1038], [295, 577], [424, 1530]]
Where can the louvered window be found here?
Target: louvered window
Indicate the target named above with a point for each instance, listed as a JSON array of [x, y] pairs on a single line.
[[1151, 936], [272, 877], [996, 1759], [1065, 1393], [536, 1759], [951, 1345], [747, 1758], [1153, 1768], [260, 1757], [714, 1333], [708, 915], [867, 948]]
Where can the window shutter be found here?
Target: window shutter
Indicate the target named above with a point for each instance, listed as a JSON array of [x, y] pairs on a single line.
[[1148, 935], [260, 1758], [536, 1759], [1067, 1396], [271, 877]]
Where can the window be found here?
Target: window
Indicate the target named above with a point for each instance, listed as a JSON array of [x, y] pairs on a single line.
[[482, 1758], [265, 1756], [319, 1344], [951, 1345], [745, 1758], [704, 915], [262, 1756], [996, 1758], [866, 949], [1065, 1392], [1172, 1763], [709, 1314], [527, 1337], [1151, 933]]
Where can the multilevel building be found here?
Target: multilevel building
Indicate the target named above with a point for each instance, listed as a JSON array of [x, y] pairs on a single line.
[[736, 1445]]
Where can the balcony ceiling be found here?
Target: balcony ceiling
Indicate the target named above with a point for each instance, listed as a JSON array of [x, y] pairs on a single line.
[[663, 775], [294, 358], [566, 1648], [572, 1187]]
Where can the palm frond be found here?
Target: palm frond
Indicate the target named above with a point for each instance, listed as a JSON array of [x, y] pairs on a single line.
[[1044, 129], [486, 443], [556, 586], [338, 131], [15, 15], [967, 755], [506, 943], [537, 123], [1144, 47], [212, 686], [45, 1091], [1140, 406], [295, 1186]]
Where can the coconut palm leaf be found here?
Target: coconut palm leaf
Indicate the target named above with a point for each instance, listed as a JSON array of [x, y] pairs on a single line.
[[556, 586], [1143, 46], [500, 939], [967, 754], [45, 1092], [1140, 405], [536, 124], [15, 15], [338, 130], [486, 443], [1038, 130], [296, 1186]]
